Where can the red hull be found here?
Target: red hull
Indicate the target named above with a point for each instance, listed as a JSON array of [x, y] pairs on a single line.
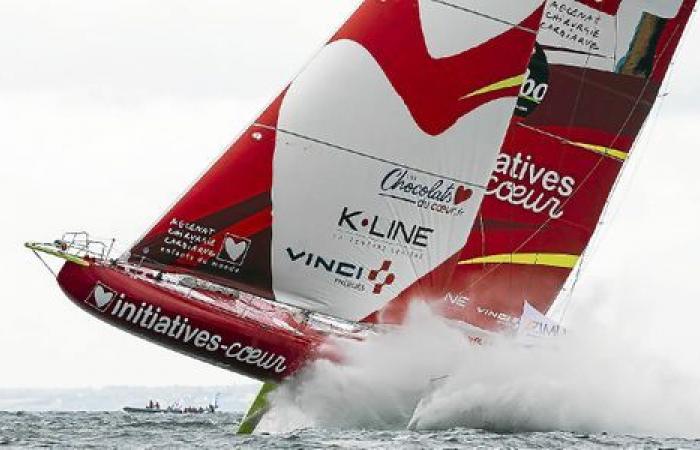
[[246, 335]]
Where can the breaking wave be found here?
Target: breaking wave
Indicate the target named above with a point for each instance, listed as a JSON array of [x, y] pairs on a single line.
[[426, 376]]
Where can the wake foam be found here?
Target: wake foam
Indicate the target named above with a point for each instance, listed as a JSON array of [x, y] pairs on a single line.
[[589, 381]]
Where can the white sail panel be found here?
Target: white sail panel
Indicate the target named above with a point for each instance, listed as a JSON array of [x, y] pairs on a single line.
[[345, 98], [368, 195], [448, 34]]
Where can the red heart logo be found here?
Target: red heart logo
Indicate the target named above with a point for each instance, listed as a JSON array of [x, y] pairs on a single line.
[[463, 194]]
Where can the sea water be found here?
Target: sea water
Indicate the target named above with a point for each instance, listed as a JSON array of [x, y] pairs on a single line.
[[122, 430]]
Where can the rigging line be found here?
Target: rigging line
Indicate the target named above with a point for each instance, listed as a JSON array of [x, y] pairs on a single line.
[[590, 173], [566, 141], [604, 216], [574, 110], [653, 121], [574, 283], [45, 264], [578, 98], [646, 85], [553, 48], [486, 16], [599, 235], [646, 123], [562, 309], [544, 224], [483, 234], [617, 40], [549, 220], [374, 158], [638, 99], [603, 87]]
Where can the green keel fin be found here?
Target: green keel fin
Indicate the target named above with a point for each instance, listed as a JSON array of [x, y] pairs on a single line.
[[257, 410]]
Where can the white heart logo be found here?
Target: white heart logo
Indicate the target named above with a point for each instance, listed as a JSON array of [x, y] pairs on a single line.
[[236, 250], [102, 297]]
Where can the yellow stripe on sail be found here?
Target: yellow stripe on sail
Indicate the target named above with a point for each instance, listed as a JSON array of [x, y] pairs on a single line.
[[606, 151], [561, 260], [504, 84]]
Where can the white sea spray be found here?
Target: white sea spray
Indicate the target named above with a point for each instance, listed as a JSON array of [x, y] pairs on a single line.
[[595, 379]]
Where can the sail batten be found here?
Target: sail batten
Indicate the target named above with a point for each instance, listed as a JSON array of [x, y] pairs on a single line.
[[476, 12], [369, 155]]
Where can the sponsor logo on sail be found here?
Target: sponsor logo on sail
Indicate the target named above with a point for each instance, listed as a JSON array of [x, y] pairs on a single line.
[[395, 231], [536, 85], [234, 250], [381, 277], [197, 244], [520, 181], [346, 274], [541, 329], [457, 300], [391, 237], [434, 194], [501, 317], [190, 241]]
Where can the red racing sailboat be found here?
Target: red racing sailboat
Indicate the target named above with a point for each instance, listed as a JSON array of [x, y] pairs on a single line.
[[369, 183]]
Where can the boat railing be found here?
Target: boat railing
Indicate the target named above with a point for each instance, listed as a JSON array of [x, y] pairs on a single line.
[[80, 244], [76, 247]]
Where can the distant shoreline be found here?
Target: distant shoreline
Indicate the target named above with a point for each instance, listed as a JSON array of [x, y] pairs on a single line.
[[234, 398]]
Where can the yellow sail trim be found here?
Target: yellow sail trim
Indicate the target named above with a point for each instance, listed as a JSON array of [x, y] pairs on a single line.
[[607, 151], [561, 260], [504, 84]]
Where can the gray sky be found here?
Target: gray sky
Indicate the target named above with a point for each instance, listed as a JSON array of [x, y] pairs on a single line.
[[109, 110]]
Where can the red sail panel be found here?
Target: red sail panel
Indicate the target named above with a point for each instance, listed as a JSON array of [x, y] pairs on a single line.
[[229, 206], [593, 80], [436, 68]]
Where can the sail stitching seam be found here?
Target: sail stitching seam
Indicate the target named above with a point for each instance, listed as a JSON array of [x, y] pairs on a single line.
[[374, 158], [608, 89], [485, 16], [554, 48]]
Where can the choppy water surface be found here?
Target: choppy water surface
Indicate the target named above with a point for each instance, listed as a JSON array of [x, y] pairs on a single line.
[[116, 429]]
